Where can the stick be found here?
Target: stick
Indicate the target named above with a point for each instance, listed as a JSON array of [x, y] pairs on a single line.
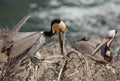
[[61, 70]]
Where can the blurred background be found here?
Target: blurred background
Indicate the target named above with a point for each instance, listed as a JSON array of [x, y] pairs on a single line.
[[82, 17]]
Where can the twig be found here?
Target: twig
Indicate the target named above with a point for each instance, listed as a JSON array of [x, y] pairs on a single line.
[[61, 70], [65, 60], [88, 68], [72, 74], [35, 72], [92, 57], [96, 59], [80, 56], [75, 52], [54, 56]]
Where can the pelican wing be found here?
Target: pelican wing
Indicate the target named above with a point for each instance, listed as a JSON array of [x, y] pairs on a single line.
[[17, 27], [83, 47], [7, 36], [24, 44], [22, 35]]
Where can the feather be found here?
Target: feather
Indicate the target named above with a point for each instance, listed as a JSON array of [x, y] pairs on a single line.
[[21, 35], [23, 44], [17, 27], [6, 35], [20, 23]]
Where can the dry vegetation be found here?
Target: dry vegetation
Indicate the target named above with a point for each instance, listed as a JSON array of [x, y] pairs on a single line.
[[78, 67]]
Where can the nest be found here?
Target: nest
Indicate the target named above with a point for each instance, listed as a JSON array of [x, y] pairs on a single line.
[[80, 67], [77, 67]]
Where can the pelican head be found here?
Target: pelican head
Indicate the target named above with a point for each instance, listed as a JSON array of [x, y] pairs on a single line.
[[107, 41], [59, 27]]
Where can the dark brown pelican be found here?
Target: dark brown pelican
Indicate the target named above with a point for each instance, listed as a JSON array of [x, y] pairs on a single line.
[[105, 45], [87, 45], [57, 26], [17, 46], [16, 43]]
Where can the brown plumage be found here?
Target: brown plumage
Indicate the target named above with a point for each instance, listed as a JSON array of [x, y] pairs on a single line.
[[7, 37], [86, 45], [90, 46], [23, 44], [15, 43]]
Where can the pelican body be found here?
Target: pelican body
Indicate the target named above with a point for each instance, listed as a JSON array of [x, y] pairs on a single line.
[[16, 46], [15, 43], [105, 46], [87, 44], [92, 44]]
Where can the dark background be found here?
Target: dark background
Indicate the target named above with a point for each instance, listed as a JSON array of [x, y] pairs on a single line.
[[82, 17]]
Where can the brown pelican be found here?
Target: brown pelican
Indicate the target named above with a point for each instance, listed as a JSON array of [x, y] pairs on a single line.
[[87, 45], [57, 26], [16, 43], [105, 45], [18, 46]]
